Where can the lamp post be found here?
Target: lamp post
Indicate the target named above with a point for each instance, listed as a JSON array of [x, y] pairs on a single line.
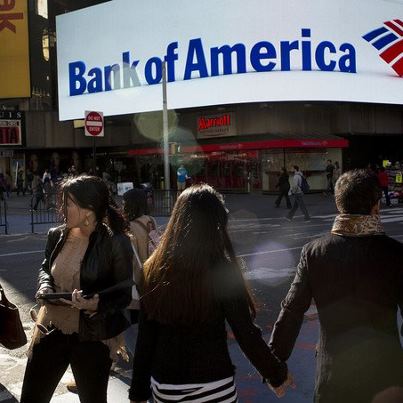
[[167, 176]]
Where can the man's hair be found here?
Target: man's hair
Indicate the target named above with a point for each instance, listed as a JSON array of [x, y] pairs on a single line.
[[296, 167], [357, 192]]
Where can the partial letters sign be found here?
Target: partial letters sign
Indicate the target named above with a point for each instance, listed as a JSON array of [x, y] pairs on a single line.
[[14, 49], [10, 128]]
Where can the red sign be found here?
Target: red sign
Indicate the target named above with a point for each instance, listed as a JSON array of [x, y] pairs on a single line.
[[205, 123], [94, 124]]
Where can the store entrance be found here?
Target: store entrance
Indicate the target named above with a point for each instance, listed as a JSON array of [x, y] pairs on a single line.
[[226, 171]]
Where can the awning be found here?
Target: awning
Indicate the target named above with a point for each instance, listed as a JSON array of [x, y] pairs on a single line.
[[334, 142]]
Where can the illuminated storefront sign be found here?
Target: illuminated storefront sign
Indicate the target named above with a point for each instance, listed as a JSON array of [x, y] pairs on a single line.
[[279, 51], [219, 125], [10, 128]]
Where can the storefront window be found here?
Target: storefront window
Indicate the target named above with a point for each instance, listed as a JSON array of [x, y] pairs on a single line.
[[42, 8], [312, 162]]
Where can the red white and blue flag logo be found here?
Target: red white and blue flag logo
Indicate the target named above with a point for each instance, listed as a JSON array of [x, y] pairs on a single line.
[[388, 41]]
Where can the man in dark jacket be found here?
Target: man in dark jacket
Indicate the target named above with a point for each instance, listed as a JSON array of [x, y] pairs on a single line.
[[355, 277], [284, 187]]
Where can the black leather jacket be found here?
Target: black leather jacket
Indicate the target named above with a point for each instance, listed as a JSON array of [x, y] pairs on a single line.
[[106, 263]]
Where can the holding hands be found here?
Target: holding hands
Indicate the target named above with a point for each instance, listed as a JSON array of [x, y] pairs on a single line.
[[281, 390]]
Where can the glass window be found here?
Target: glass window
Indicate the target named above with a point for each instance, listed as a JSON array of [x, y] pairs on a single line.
[[42, 8]]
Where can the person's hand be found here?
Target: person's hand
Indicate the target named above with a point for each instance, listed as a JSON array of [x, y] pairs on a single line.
[[42, 291], [280, 390], [90, 305]]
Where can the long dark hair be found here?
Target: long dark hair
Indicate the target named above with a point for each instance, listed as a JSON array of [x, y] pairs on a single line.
[[178, 285], [135, 203], [91, 192]]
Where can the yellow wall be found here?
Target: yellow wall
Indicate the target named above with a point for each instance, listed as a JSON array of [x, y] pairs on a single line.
[[14, 49]]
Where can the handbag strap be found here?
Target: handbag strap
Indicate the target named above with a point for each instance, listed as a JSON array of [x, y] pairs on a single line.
[[136, 256]]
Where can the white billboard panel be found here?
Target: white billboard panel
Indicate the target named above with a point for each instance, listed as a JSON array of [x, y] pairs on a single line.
[[110, 56]]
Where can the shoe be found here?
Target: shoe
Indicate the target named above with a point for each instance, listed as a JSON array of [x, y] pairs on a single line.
[[72, 386], [288, 218]]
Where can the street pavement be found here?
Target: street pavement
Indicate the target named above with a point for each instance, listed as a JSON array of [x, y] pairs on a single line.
[[268, 243]]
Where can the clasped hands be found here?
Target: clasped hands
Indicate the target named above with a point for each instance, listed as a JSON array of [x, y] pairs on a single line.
[[280, 390]]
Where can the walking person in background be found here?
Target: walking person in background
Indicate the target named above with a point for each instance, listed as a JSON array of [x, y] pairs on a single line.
[[297, 195], [8, 182], [90, 256], [384, 184], [38, 192], [193, 285], [20, 182], [45, 175], [284, 187], [181, 176], [2, 186], [336, 173], [329, 177], [136, 209], [30, 178], [355, 277], [48, 192]]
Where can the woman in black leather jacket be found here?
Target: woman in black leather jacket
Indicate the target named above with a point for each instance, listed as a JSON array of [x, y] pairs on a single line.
[[89, 256]]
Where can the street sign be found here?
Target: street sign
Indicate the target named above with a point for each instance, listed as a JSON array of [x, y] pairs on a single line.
[[94, 124]]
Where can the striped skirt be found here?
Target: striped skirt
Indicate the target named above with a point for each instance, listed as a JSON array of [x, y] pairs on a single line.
[[222, 391]]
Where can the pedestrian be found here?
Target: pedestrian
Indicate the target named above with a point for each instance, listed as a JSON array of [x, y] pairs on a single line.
[[39, 192], [355, 277], [384, 184], [46, 174], [193, 285], [298, 195], [329, 177], [87, 256], [141, 224], [20, 182], [8, 183], [181, 176], [2, 186], [284, 187], [336, 173], [48, 192], [30, 178]]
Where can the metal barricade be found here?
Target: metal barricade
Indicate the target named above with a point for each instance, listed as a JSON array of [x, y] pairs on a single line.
[[162, 202], [43, 210], [3, 216]]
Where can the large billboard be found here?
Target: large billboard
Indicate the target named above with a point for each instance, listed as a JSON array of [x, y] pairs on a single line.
[[14, 50], [231, 51]]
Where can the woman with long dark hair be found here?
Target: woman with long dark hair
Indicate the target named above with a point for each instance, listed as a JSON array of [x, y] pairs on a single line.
[[135, 208], [90, 258], [193, 284]]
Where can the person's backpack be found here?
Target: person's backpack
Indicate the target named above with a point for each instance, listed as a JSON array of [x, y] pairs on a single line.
[[153, 234], [304, 185]]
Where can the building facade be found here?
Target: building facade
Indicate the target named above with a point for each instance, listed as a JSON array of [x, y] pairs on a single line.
[[235, 147]]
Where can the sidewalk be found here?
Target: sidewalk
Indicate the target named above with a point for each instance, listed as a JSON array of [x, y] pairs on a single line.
[[241, 206]]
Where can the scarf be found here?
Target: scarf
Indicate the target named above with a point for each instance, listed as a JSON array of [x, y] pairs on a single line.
[[357, 225]]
